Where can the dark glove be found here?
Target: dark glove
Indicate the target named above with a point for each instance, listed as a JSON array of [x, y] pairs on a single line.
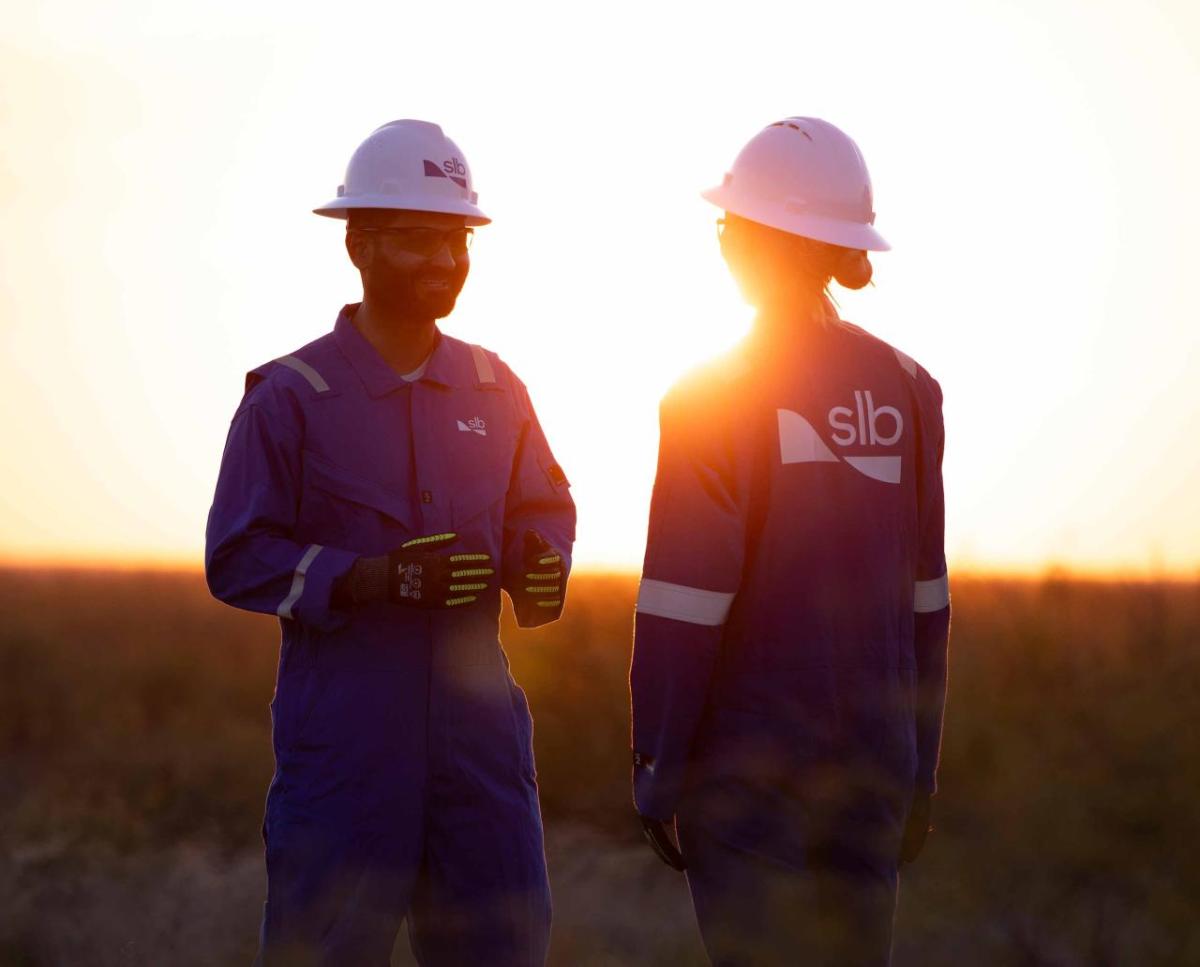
[[418, 573], [661, 842], [538, 597], [916, 828]]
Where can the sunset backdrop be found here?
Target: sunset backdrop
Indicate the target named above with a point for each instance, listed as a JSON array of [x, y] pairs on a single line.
[[1034, 168]]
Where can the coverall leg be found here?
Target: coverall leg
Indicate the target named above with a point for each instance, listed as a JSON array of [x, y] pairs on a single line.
[[483, 894], [344, 818], [755, 910]]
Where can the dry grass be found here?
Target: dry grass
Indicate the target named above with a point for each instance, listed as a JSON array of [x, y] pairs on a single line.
[[134, 752]]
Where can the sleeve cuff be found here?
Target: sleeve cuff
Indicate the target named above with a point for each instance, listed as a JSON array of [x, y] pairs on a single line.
[[308, 600]]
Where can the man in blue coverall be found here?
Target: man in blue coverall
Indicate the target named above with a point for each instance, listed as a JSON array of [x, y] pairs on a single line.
[[379, 487], [789, 664]]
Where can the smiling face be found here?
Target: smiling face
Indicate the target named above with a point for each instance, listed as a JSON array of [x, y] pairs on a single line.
[[411, 272]]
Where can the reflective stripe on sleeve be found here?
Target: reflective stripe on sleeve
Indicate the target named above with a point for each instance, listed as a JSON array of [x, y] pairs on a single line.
[[310, 374], [285, 609], [483, 365], [694, 605], [931, 595]]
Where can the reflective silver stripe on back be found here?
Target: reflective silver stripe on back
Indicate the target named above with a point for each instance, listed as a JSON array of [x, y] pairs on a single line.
[[931, 595], [694, 605], [285, 609], [483, 365], [310, 374], [906, 362]]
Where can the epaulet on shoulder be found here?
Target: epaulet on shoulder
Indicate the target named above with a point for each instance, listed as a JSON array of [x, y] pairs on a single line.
[[485, 366], [907, 363], [489, 367], [289, 370]]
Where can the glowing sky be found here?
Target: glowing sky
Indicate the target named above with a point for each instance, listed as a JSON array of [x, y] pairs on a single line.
[[1034, 167]]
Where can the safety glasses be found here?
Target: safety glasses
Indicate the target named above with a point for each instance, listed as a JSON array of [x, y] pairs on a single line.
[[426, 242]]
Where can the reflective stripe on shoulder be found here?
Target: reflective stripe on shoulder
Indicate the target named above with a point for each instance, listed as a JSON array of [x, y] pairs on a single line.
[[907, 363], [483, 365], [310, 374], [694, 605], [931, 595], [285, 609]]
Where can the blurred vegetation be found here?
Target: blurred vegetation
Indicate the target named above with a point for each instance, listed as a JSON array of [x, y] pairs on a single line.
[[134, 727]]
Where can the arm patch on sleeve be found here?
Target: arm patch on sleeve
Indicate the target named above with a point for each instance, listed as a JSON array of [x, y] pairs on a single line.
[[556, 476]]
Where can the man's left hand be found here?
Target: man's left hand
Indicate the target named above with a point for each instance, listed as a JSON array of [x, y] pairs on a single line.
[[539, 594]]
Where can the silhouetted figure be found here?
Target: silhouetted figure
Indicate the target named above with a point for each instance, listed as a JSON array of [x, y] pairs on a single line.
[[789, 663]]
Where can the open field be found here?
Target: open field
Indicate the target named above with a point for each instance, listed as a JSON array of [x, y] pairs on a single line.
[[134, 756]]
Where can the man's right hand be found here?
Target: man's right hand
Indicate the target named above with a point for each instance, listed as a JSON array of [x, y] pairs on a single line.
[[420, 574], [423, 575], [660, 841]]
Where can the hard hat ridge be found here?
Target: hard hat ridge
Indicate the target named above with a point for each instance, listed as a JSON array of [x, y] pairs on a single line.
[[408, 164]]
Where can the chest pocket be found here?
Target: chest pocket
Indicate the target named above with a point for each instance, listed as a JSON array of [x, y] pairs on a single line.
[[480, 463], [347, 510]]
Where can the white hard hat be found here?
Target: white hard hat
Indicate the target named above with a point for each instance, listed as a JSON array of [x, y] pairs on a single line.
[[408, 165], [806, 177]]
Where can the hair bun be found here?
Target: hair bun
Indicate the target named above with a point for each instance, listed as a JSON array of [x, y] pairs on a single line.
[[853, 269]]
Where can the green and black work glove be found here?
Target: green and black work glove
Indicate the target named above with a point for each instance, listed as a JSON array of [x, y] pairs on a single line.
[[419, 573], [538, 593], [916, 828]]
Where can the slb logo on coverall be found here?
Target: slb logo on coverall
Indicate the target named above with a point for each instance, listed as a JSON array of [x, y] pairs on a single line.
[[864, 425]]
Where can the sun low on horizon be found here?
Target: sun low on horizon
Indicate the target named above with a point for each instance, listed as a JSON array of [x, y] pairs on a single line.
[[1033, 169]]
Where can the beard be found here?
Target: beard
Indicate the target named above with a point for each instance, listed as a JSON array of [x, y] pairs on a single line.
[[423, 293]]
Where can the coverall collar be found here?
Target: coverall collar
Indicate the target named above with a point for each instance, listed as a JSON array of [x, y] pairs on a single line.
[[450, 364]]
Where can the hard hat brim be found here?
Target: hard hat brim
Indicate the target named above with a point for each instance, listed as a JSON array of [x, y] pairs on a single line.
[[835, 231], [340, 207]]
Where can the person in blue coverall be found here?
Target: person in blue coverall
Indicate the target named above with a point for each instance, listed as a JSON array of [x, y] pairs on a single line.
[[379, 487], [789, 666]]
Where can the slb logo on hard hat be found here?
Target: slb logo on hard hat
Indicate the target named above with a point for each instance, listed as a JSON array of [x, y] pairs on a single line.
[[451, 168]]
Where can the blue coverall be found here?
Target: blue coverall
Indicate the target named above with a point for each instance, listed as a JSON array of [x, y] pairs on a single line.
[[404, 781], [789, 665]]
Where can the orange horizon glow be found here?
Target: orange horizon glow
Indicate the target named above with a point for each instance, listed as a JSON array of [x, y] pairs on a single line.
[[958, 571]]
